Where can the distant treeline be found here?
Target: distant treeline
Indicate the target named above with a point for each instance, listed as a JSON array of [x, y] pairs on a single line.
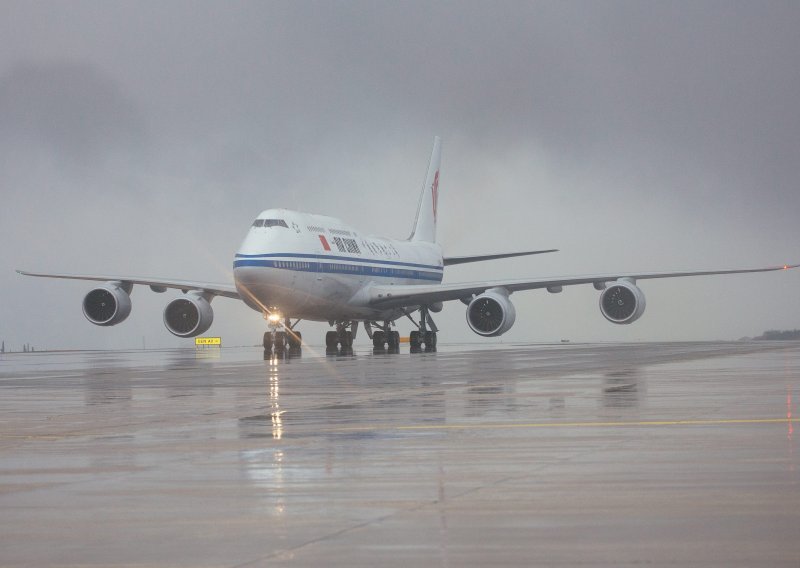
[[775, 335]]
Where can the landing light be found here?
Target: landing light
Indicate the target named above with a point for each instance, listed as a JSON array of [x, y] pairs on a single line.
[[274, 318]]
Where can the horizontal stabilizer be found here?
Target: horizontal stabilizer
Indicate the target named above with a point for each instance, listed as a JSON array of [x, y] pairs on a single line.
[[449, 261]]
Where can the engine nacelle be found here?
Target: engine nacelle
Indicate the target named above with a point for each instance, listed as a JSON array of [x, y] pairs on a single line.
[[189, 315], [491, 313], [622, 302], [108, 304]]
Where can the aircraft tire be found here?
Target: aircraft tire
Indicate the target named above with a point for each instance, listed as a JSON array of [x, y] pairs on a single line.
[[346, 339], [280, 341], [430, 341], [414, 342], [331, 340], [378, 339]]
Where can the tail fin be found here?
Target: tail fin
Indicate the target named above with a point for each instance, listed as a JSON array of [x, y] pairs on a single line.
[[425, 223]]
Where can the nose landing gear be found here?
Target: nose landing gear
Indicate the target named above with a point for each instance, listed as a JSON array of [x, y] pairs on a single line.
[[285, 342]]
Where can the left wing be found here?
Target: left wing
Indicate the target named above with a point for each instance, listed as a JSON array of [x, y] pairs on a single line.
[[451, 260], [157, 285], [415, 295]]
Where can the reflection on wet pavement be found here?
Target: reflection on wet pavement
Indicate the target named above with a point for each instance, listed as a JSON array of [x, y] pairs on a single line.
[[578, 454]]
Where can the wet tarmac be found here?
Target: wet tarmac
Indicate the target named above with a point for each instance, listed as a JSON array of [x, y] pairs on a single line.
[[561, 455]]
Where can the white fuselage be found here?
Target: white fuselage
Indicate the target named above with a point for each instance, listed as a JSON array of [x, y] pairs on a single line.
[[314, 267]]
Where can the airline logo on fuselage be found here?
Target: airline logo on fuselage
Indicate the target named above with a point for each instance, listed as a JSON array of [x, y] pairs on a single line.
[[435, 192]]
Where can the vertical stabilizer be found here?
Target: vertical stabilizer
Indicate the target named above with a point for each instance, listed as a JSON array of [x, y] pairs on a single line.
[[425, 223]]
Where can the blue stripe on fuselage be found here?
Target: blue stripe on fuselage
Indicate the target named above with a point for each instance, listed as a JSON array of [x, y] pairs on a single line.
[[359, 269]]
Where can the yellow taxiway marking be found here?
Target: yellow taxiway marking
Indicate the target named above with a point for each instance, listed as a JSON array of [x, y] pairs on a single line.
[[501, 426]]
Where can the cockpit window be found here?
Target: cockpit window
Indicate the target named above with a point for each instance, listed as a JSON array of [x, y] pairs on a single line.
[[270, 223], [275, 223]]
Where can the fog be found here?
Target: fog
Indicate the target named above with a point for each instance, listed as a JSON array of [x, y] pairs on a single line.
[[143, 138]]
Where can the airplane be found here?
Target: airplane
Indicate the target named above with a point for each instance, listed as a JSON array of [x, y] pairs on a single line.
[[301, 266]]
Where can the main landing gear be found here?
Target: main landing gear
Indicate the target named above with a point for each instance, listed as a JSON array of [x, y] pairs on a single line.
[[384, 340], [283, 343], [340, 342], [423, 338]]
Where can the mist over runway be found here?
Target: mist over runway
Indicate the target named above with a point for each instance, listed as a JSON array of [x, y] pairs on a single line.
[[672, 453], [143, 138]]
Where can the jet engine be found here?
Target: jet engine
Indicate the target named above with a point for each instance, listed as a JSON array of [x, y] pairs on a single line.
[[108, 304], [189, 315], [491, 313], [622, 302]]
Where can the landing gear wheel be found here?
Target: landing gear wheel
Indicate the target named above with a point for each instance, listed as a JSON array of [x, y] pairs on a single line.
[[414, 341], [379, 341], [346, 340], [267, 345], [280, 342], [295, 339], [430, 341], [331, 341], [393, 340]]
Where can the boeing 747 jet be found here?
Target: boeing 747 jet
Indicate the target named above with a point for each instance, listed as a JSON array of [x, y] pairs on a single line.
[[295, 266]]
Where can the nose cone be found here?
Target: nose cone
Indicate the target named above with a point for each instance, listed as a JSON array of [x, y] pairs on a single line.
[[250, 273], [249, 282], [261, 282]]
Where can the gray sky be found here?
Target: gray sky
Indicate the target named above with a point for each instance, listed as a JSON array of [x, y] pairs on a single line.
[[143, 137]]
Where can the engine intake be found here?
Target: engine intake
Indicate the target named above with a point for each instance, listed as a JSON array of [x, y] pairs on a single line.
[[188, 316], [622, 302], [492, 313], [108, 304]]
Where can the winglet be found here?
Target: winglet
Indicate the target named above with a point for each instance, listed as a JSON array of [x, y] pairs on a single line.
[[427, 210]]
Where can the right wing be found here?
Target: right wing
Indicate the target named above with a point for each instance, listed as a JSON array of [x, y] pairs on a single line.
[[157, 285], [426, 294]]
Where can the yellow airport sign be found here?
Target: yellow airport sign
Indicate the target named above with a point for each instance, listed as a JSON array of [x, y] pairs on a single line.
[[208, 341]]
